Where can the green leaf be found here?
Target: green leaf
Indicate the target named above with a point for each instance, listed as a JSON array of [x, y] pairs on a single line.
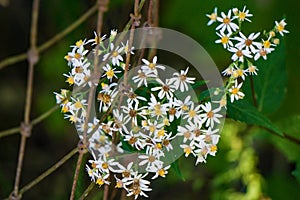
[[243, 111], [175, 167], [291, 126], [270, 82]]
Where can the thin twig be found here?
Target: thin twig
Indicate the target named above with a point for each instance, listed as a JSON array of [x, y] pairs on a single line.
[[20, 57], [106, 192], [253, 92], [76, 174], [26, 130], [150, 11], [49, 171]]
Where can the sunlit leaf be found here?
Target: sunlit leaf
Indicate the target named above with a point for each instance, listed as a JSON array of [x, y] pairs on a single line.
[[243, 111]]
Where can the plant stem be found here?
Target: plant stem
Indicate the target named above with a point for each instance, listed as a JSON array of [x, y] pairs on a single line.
[[253, 91], [76, 174]]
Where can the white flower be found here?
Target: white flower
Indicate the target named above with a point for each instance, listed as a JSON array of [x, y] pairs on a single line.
[[242, 15], [183, 105], [239, 54], [238, 72], [102, 179], [262, 52], [133, 113], [166, 89], [110, 72], [141, 78], [201, 155], [213, 17], [224, 39], [156, 108], [252, 69], [181, 80], [235, 91], [149, 159], [138, 185], [193, 113], [227, 23], [126, 48], [161, 171], [151, 67], [115, 55], [188, 149], [249, 42], [97, 39], [280, 27], [211, 115]]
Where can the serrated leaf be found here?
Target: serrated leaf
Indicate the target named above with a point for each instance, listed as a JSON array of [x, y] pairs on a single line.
[[270, 83], [243, 111]]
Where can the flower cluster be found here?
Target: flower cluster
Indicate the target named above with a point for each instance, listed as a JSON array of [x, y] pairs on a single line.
[[142, 120], [245, 48]]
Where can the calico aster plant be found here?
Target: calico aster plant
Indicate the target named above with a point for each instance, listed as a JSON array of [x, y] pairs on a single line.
[[145, 119]]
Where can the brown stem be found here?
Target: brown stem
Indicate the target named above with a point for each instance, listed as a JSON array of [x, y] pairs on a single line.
[[106, 192], [150, 11], [78, 166], [253, 91]]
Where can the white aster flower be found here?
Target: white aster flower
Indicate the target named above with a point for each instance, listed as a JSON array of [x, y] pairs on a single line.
[[239, 53], [235, 93], [226, 23], [166, 89], [138, 185], [280, 27], [211, 115], [181, 80], [248, 42], [115, 55], [225, 40], [151, 67], [212, 17], [242, 15]]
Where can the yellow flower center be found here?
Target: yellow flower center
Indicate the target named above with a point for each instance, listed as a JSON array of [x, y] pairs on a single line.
[[78, 105], [79, 43], [210, 114], [115, 54], [185, 107], [151, 159], [226, 20], [110, 73], [248, 42], [105, 165], [187, 150], [213, 16], [239, 53], [100, 181], [151, 66], [280, 27], [242, 15], [77, 56], [152, 128], [267, 44], [224, 39], [161, 133], [119, 184], [161, 172], [252, 68], [192, 113], [70, 80], [235, 91], [213, 148]]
